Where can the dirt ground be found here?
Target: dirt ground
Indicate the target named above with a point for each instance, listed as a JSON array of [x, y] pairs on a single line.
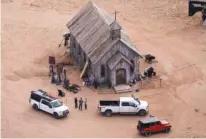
[[32, 30]]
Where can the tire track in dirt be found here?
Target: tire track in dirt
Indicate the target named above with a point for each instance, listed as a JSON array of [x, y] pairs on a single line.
[[25, 74], [172, 88], [172, 92]]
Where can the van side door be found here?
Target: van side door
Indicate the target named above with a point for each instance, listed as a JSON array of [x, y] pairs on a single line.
[[46, 106], [124, 107]]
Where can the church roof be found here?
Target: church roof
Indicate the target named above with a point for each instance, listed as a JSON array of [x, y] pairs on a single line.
[[91, 27]]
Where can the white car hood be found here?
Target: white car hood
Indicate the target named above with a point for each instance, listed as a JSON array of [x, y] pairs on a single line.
[[61, 108], [143, 104]]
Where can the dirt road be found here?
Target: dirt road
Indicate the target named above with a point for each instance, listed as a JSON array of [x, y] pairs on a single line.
[[32, 30]]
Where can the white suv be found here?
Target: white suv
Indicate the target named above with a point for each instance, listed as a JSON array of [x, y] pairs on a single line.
[[40, 100]]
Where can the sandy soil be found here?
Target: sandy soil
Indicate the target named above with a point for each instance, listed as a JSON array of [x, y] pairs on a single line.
[[32, 30]]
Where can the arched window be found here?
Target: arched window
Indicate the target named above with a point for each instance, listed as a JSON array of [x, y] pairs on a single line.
[[132, 67], [102, 71]]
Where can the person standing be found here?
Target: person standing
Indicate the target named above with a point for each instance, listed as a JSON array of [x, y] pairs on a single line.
[[66, 84], [51, 70], [61, 72], [85, 103], [66, 38], [61, 93], [53, 80], [80, 104], [95, 84], [58, 73], [65, 73], [76, 102]]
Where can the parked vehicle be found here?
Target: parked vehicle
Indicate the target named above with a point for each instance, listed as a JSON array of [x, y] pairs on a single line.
[[152, 125], [71, 87], [40, 100], [149, 58], [125, 105]]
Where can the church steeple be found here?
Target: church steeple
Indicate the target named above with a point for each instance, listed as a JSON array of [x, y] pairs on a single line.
[[115, 30]]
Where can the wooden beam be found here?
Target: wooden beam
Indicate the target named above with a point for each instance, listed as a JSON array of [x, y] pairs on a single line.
[[84, 69]]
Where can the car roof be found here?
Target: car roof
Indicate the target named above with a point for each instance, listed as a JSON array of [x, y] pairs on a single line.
[[126, 98], [39, 92], [149, 120], [48, 98], [44, 95]]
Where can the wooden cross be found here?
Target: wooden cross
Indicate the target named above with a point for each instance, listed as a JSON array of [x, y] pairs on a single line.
[[115, 14]]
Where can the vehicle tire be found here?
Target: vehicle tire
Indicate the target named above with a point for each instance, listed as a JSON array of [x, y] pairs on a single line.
[[55, 115], [147, 133], [142, 112], [167, 130], [108, 113], [35, 107]]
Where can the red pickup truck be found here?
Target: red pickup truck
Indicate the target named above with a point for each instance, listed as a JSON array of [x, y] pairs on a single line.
[[152, 125]]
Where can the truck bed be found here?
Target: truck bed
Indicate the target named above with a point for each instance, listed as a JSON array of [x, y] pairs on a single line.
[[198, 0], [109, 103]]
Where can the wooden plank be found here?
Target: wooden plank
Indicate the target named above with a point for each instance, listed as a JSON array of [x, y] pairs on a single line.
[[89, 38], [80, 14], [89, 30], [99, 44], [101, 51], [107, 18], [91, 42], [84, 69], [84, 21], [122, 88], [123, 91]]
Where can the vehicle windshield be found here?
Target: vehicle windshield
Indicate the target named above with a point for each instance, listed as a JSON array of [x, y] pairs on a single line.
[[142, 126], [56, 103], [136, 100]]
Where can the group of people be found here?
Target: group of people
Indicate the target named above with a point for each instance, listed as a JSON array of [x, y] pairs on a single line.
[[87, 82], [81, 102], [61, 74]]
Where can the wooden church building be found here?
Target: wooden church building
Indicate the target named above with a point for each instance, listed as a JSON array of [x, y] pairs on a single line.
[[101, 48]]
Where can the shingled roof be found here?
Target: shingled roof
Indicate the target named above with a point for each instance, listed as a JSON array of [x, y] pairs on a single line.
[[91, 28]]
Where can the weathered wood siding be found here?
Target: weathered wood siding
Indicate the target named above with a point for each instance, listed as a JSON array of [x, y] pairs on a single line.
[[72, 49], [115, 34], [128, 53], [120, 65], [77, 53]]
